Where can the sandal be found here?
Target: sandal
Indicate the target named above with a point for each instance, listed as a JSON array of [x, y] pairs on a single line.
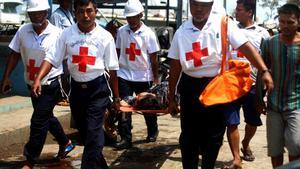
[[232, 166], [247, 155]]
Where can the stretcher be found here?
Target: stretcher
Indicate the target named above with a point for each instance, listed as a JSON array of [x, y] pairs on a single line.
[[127, 109]]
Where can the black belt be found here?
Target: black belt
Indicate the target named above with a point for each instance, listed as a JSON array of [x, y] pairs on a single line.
[[53, 78], [88, 84]]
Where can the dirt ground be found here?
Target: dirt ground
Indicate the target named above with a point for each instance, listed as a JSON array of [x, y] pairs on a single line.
[[163, 154]]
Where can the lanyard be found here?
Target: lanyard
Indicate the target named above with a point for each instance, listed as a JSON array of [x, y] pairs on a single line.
[[66, 15]]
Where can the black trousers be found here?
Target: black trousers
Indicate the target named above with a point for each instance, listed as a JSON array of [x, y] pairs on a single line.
[[88, 102], [202, 128], [43, 120], [127, 88]]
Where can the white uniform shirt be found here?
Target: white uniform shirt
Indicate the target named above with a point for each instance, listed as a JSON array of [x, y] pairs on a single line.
[[199, 51], [255, 35], [135, 48], [62, 18], [32, 48], [88, 54]]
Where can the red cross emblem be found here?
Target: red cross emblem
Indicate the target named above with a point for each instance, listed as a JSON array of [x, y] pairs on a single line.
[[83, 59], [240, 54], [32, 71], [132, 51], [196, 54]]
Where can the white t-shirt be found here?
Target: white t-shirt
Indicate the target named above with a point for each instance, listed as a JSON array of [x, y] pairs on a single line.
[[62, 18], [33, 47], [255, 35], [88, 54], [199, 51], [135, 48]]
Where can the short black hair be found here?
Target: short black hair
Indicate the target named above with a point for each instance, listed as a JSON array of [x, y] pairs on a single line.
[[289, 8], [84, 2], [148, 102], [250, 5]]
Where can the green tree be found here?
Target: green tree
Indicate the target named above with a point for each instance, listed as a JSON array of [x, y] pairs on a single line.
[[271, 5], [297, 2]]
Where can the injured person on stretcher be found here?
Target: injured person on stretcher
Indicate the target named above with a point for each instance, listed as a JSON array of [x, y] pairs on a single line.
[[153, 101], [143, 102]]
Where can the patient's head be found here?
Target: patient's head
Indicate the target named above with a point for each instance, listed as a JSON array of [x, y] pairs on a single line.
[[147, 101]]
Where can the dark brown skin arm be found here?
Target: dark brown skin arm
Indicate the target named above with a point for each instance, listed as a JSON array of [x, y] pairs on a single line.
[[175, 70], [114, 83], [12, 61], [154, 66]]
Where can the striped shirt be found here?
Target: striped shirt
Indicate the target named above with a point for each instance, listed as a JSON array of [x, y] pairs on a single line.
[[284, 63]]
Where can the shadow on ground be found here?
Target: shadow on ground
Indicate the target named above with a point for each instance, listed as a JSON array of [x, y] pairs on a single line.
[[137, 158]]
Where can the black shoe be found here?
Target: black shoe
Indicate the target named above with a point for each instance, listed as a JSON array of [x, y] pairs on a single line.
[[123, 144], [27, 165], [152, 138], [65, 150]]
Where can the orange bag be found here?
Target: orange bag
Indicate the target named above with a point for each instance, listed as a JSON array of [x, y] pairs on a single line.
[[230, 84]]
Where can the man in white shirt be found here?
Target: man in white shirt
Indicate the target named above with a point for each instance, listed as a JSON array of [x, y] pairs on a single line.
[[30, 43], [90, 52], [62, 17], [137, 49], [245, 10], [195, 55]]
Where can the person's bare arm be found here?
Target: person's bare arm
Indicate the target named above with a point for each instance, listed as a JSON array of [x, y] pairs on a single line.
[[175, 70], [154, 66], [113, 81], [12, 61]]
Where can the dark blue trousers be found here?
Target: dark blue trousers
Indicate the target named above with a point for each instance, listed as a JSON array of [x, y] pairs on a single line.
[[88, 102], [127, 88], [202, 128], [43, 120]]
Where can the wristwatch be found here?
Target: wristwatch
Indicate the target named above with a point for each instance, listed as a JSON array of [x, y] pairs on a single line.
[[266, 70], [117, 99]]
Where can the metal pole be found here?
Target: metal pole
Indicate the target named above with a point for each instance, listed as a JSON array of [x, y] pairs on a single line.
[[50, 10], [167, 14], [255, 11], [179, 14], [146, 12], [225, 5]]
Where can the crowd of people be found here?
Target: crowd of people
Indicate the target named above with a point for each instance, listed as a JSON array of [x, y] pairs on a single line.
[[104, 70]]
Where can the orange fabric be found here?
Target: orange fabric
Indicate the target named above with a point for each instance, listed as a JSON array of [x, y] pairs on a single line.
[[132, 109], [230, 84]]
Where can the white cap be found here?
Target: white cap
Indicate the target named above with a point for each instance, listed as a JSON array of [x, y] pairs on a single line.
[[218, 9], [269, 24], [204, 0], [37, 5], [133, 8]]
